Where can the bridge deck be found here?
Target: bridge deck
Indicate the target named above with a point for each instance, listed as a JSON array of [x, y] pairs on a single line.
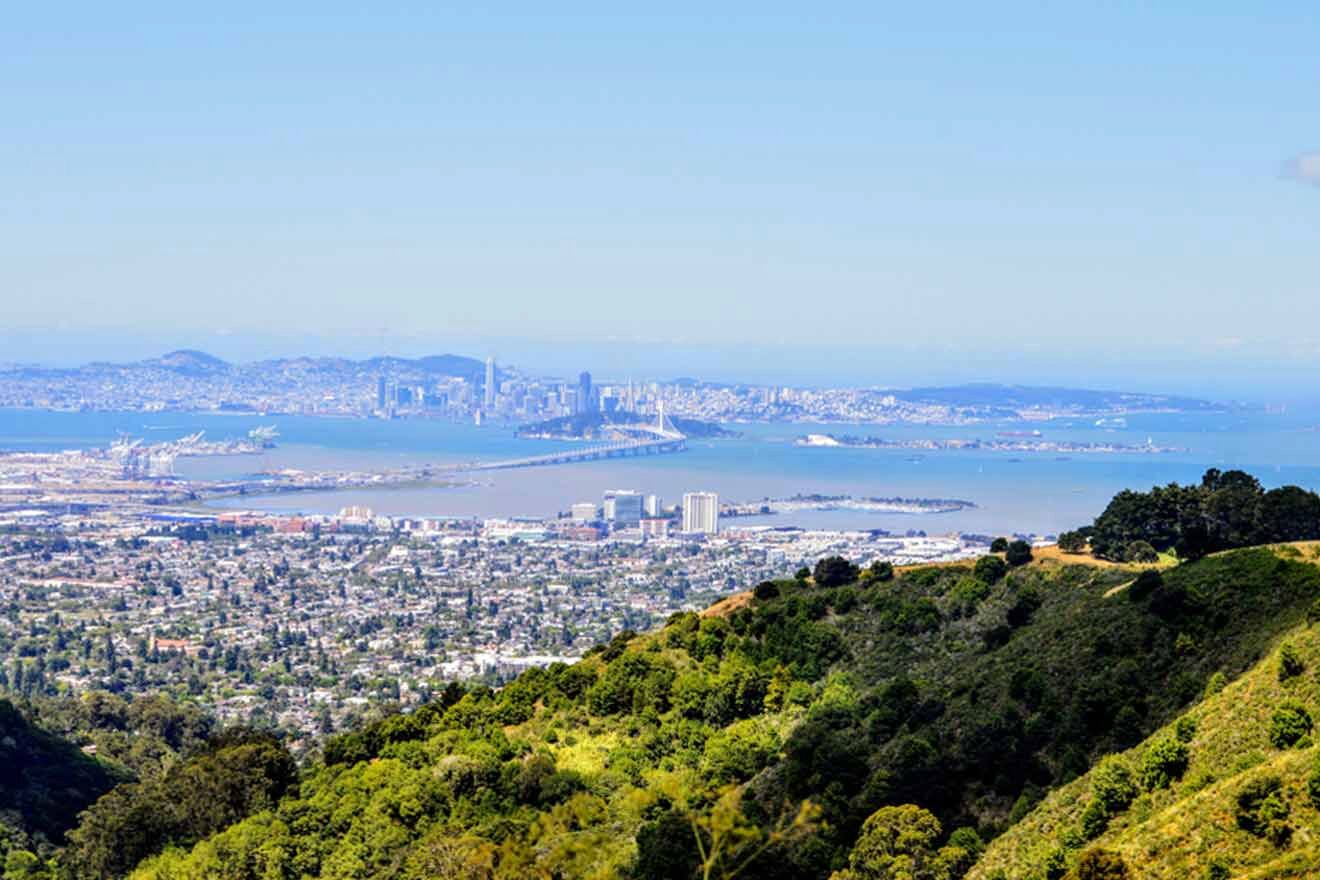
[[590, 453]]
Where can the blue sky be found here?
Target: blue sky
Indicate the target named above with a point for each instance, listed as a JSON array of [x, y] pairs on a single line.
[[892, 195]]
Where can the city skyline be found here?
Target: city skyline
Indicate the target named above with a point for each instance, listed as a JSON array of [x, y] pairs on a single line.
[[859, 194]]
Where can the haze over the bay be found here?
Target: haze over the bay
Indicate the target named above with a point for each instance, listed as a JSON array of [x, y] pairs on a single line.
[[873, 195]]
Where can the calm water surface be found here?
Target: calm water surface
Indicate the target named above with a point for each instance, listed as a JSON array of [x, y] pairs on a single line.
[[1029, 492]]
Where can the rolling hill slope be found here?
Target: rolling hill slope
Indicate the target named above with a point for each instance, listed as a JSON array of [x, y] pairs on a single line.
[[1241, 801], [758, 740]]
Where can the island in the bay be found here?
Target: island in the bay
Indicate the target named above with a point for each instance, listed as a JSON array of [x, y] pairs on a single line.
[[1004, 442]]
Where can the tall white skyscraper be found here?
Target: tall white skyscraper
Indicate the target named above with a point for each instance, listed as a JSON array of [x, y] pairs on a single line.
[[701, 512], [489, 400], [652, 506]]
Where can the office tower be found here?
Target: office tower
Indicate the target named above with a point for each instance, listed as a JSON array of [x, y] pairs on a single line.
[[586, 398], [623, 507], [652, 505], [701, 513], [583, 511], [380, 392], [489, 400]]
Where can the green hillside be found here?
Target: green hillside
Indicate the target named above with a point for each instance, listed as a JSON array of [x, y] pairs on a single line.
[[45, 781], [755, 741], [1240, 801]]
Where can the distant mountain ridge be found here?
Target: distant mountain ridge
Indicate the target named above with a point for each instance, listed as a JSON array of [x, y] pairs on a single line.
[[194, 363], [198, 364]]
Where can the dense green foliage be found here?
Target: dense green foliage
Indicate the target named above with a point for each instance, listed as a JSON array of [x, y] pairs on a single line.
[[943, 701], [1227, 509], [237, 774], [44, 780], [1229, 789]]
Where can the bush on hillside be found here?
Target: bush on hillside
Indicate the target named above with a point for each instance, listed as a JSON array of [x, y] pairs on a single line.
[[1290, 662], [1140, 552], [1100, 864], [1072, 542], [1262, 810], [1112, 791], [1289, 725], [989, 569], [1018, 553], [880, 570], [835, 571], [1164, 762], [967, 594], [1313, 783], [999, 545]]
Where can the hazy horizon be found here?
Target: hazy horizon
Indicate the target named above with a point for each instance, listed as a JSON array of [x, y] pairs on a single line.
[[870, 196], [839, 365]]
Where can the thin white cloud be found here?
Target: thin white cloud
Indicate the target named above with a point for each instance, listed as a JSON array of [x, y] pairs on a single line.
[[1305, 168]]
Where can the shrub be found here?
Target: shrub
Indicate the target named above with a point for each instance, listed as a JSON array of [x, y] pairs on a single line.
[[1164, 761], [1112, 792], [835, 571], [1313, 613], [967, 594], [1020, 613], [1262, 810], [1217, 871], [1216, 683], [1290, 663], [1140, 552], [1101, 864], [1289, 724], [880, 570], [999, 545], [766, 590], [1072, 542], [1018, 553], [1094, 820], [1185, 729], [989, 569], [1313, 784]]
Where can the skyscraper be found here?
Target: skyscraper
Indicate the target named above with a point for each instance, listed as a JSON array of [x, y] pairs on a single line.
[[701, 513], [489, 400], [586, 400], [380, 392]]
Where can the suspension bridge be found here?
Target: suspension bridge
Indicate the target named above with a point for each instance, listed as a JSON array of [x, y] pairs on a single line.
[[660, 438]]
